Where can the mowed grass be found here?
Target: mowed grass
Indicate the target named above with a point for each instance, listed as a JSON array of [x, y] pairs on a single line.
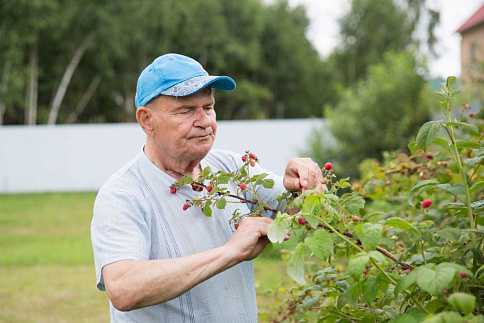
[[47, 266]]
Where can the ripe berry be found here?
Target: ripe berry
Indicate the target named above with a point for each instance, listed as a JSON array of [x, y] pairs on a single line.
[[301, 220], [194, 187], [328, 166], [426, 203], [236, 226], [185, 207], [172, 190], [462, 274], [252, 163], [244, 158], [200, 188], [209, 188], [242, 186], [252, 156], [471, 115]]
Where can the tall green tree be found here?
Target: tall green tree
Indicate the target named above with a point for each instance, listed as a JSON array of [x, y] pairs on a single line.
[[371, 28], [382, 113]]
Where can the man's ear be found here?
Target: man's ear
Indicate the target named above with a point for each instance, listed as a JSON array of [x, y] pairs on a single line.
[[144, 116]]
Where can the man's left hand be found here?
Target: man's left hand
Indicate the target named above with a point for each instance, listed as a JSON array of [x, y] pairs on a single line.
[[303, 174]]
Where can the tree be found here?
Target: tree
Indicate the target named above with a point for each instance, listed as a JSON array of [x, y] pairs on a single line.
[[371, 28], [381, 114]]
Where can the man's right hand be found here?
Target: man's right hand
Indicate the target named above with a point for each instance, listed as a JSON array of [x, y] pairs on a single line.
[[249, 239]]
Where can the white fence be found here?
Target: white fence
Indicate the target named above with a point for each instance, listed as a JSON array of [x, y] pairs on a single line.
[[81, 157]]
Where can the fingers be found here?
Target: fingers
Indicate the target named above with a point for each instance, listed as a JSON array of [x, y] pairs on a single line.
[[250, 238], [302, 174]]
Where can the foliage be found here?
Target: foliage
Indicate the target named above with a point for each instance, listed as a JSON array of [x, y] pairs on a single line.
[[263, 47], [376, 254], [372, 28], [382, 114]]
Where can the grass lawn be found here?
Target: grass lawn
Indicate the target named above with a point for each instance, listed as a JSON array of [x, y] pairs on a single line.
[[46, 262]]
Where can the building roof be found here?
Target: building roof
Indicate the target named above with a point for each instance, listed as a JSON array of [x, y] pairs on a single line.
[[476, 19]]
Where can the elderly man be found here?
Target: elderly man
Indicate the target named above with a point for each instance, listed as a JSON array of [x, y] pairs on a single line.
[[159, 263]]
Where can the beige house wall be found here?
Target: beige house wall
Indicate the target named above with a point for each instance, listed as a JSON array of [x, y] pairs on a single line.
[[472, 55]]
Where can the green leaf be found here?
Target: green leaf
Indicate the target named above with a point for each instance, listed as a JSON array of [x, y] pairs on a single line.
[[468, 144], [476, 186], [205, 172], [221, 203], [456, 267], [268, 183], [477, 205], [457, 189], [433, 281], [406, 281], [312, 206], [445, 317], [341, 302], [471, 162], [428, 133], [370, 289], [357, 265], [418, 186], [378, 256], [295, 267], [413, 147], [442, 143], [450, 82], [463, 302], [449, 234], [277, 230], [479, 152], [472, 128], [320, 244], [369, 234], [402, 224], [353, 292], [207, 210], [413, 315], [353, 202]]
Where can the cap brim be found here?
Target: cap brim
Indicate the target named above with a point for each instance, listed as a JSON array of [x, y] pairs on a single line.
[[198, 83]]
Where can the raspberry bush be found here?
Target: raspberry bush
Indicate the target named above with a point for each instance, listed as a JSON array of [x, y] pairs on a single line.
[[404, 244]]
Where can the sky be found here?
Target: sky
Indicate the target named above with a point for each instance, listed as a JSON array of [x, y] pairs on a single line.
[[323, 31]]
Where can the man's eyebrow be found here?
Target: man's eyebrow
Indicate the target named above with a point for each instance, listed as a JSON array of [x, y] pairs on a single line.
[[189, 106]]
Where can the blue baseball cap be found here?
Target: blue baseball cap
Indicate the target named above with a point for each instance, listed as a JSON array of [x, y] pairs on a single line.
[[176, 75]]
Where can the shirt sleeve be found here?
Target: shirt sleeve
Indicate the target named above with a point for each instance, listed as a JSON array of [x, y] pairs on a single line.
[[119, 231]]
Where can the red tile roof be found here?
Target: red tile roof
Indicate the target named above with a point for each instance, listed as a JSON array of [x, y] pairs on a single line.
[[476, 19]]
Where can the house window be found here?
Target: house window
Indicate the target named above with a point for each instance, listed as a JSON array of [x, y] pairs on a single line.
[[474, 55]]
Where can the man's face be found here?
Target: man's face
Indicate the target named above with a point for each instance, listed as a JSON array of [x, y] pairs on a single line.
[[185, 127]]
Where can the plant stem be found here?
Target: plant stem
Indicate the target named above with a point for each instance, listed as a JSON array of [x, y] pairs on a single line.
[[462, 174], [373, 261], [393, 281]]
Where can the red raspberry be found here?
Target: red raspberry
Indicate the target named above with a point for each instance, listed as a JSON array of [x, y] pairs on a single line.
[[426, 203], [471, 115], [200, 188], [328, 166], [252, 163], [172, 190], [242, 186], [236, 226], [462, 274], [185, 207], [301, 220], [195, 187], [252, 156], [244, 158], [209, 188]]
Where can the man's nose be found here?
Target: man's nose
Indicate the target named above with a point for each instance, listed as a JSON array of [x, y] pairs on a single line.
[[203, 119]]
